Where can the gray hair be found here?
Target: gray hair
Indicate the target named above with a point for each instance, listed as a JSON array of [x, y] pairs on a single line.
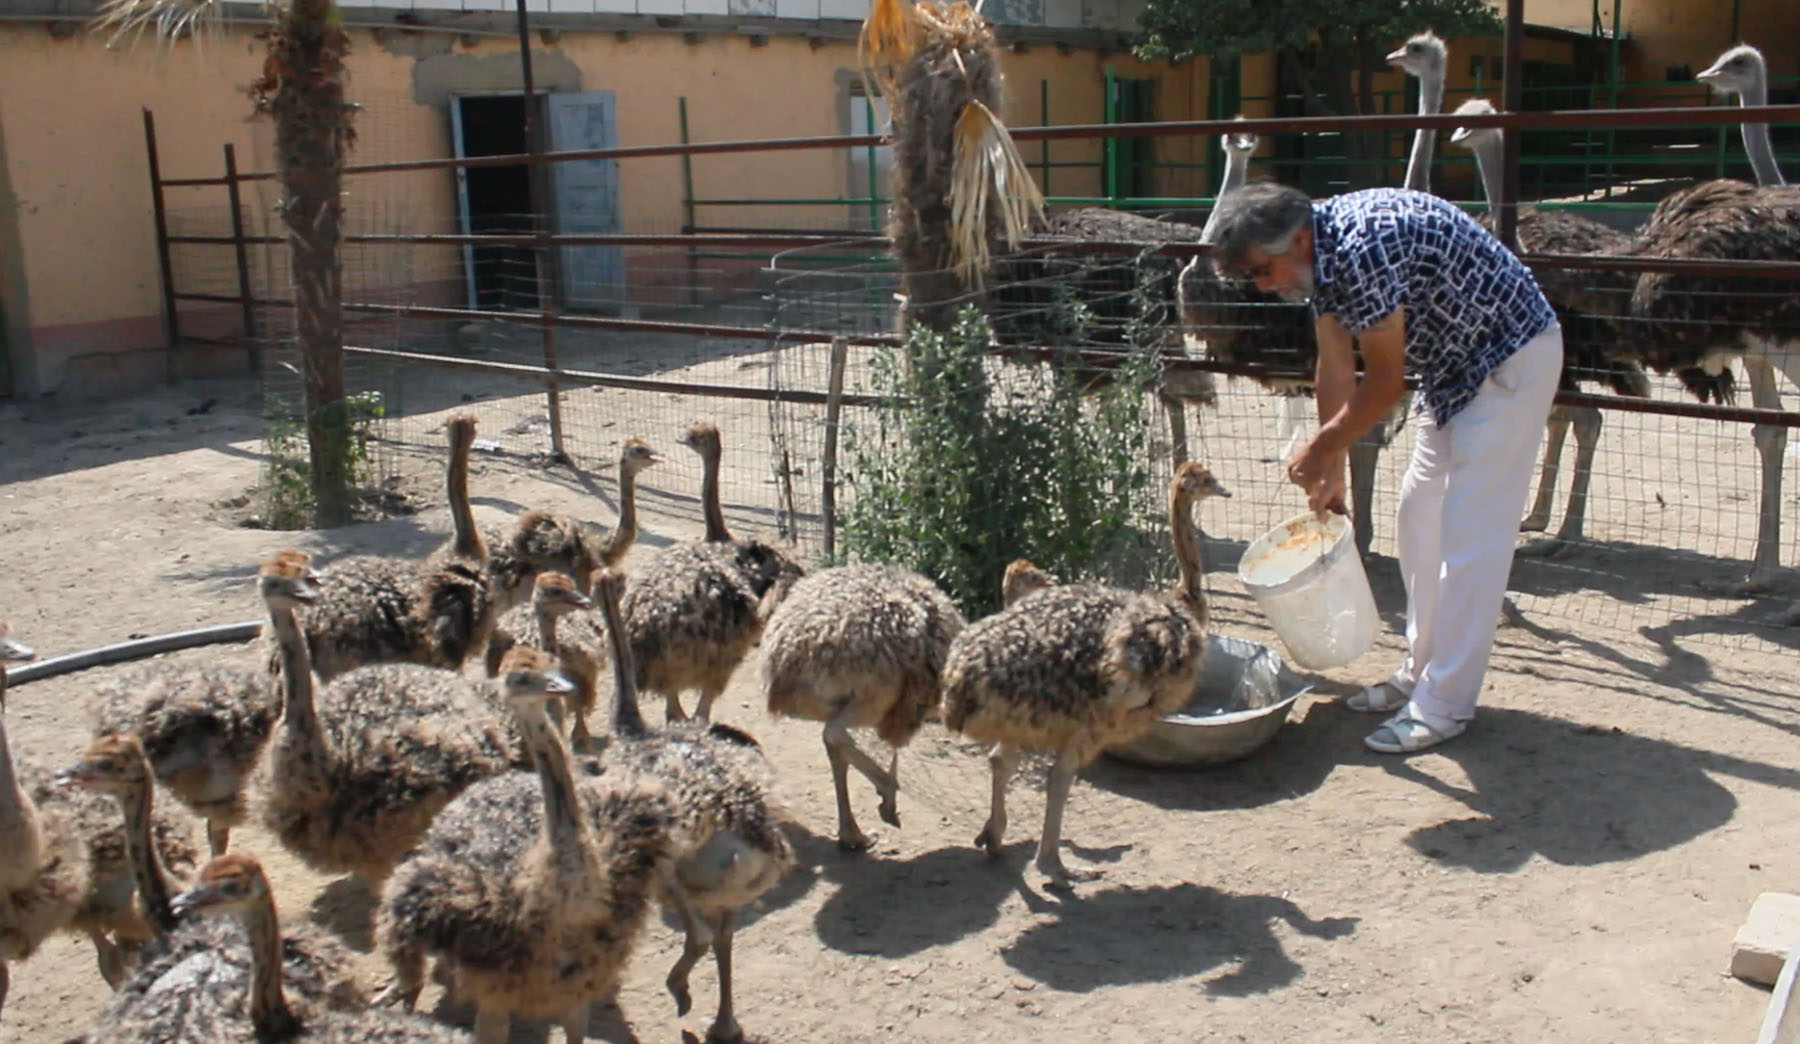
[[1263, 215]]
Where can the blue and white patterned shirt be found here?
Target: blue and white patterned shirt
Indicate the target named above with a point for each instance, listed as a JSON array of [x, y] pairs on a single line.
[[1470, 303]]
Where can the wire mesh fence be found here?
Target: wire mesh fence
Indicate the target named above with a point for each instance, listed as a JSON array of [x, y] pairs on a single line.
[[1673, 508]]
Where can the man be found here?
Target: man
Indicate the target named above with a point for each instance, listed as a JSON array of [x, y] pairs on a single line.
[[1418, 287]]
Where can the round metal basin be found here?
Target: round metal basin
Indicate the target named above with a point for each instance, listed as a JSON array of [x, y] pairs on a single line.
[[1242, 699]]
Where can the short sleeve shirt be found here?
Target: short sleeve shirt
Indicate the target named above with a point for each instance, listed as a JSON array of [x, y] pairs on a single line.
[[1470, 303]]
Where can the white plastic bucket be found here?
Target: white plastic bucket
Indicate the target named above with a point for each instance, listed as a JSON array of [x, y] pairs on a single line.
[[1309, 581]]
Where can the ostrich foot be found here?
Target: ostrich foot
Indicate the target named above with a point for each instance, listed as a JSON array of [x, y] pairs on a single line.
[[725, 1031], [1548, 547], [1751, 586], [989, 838], [854, 840], [890, 807], [1061, 877], [1534, 524], [678, 989]]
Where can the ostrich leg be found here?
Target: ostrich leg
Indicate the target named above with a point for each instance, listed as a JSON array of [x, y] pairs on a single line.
[[1587, 422], [1771, 445], [1364, 455], [1558, 431]]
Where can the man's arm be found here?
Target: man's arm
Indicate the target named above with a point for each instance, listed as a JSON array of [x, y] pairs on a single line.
[[1346, 418]]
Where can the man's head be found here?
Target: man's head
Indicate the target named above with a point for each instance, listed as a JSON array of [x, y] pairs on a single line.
[[1263, 232]]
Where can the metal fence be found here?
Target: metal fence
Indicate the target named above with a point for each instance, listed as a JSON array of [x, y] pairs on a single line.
[[773, 335]]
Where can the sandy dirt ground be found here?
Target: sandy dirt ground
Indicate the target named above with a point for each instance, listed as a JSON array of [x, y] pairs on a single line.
[[1571, 869]]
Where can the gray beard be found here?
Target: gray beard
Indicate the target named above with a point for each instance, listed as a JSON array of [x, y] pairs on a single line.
[[1299, 294]]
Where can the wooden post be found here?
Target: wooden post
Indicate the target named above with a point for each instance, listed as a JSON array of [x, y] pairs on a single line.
[[171, 322], [252, 345], [834, 406]]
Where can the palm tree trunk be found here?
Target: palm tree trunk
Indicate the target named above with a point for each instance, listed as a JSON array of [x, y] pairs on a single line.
[[303, 88]]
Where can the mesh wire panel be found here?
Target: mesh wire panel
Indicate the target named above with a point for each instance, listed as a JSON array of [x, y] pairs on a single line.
[[1673, 506]]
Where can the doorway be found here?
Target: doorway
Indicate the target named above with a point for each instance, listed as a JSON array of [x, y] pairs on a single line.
[[495, 200]]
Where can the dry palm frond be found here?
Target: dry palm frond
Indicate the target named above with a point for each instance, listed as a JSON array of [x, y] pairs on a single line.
[[171, 20], [890, 35], [987, 167]]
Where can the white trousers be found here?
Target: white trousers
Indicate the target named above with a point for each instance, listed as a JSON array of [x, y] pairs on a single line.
[[1460, 505]]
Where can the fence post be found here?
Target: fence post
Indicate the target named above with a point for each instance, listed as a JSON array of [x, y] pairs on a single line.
[[171, 322], [687, 205], [251, 344], [834, 406], [548, 260]]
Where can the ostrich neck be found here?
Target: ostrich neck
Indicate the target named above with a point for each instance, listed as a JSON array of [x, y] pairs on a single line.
[[1236, 170], [625, 533], [468, 542], [19, 833], [546, 628], [268, 1007], [562, 822], [298, 714], [140, 848], [1487, 161], [1187, 552], [1756, 139], [1418, 167], [628, 718], [716, 532]]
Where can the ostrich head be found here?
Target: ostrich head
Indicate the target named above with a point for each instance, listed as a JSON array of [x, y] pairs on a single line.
[[1423, 56], [113, 764], [1472, 137], [529, 677], [1194, 481], [702, 437], [11, 648], [230, 884], [1239, 143], [1023, 578], [557, 594], [287, 580], [637, 455], [1738, 71]]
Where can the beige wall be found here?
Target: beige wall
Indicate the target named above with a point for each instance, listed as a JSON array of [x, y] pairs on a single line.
[[1663, 33], [82, 289]]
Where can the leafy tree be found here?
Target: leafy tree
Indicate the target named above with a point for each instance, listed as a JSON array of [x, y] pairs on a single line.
[[1329, 49]]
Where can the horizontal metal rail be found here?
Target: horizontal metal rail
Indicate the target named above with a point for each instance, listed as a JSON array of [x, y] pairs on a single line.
[[613, 380], [1567, 118]]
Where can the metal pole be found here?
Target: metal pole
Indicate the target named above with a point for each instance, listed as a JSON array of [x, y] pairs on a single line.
[[238, 246], [171, 322], [687, 205], [1514, 97], [1612, 97], [834, 407], [1109, 151], [547, 270], [1043, 146]]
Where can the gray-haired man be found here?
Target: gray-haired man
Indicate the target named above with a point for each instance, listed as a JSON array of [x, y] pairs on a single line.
[[1418, 287]]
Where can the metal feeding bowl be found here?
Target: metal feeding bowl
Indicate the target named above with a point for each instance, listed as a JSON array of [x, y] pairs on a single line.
[[1242, 699]]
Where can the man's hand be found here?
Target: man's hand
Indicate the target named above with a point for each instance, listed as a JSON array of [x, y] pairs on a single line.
[[1319, 470]]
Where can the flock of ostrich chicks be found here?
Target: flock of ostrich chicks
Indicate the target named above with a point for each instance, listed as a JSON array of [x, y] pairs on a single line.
[[502, 840]]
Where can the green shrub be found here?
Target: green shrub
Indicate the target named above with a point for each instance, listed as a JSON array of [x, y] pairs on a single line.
[[287, 500], [955, 478]]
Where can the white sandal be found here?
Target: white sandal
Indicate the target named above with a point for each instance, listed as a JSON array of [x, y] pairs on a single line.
[[1377, 699], [1407, 735]]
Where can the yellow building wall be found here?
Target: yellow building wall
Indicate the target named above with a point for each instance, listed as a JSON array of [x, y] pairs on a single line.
[[82, 291], [1664, 33]]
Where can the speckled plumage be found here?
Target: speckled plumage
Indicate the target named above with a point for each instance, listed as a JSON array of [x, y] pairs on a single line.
[[393, 610], [203, 729], [862, 643], [467, 896], [1078, 666], [577, 642], [44, 881], [352, 779], [729, 846], [694, 610], [199, 985]]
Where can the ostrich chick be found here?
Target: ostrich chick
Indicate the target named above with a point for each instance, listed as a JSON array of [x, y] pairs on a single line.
[[1077, 669], [859, 646]]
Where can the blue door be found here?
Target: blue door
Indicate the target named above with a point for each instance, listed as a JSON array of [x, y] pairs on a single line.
[[585, 199]]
